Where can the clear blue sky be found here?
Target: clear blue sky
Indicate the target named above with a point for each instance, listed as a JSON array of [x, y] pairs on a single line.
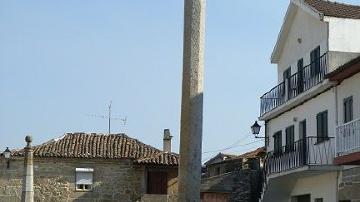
[[63, 60]]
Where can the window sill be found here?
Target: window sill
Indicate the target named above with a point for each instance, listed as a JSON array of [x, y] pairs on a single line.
[[82, 190]]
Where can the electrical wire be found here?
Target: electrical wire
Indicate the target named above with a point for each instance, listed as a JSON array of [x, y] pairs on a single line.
[[230, 147]]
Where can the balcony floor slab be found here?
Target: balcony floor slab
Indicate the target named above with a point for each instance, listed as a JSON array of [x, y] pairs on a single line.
[[348, 159], [305, 171]]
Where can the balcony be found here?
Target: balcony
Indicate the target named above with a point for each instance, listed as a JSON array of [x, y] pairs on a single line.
[[312, 151], [348, 142], [298, 83]]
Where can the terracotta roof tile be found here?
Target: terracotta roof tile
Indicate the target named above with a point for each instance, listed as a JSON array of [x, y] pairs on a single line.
[[162, 158], [114, 146], [335, 9]]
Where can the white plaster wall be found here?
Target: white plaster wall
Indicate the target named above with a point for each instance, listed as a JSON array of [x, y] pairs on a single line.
[[344, 34], [312, 32], [349, 87], [318, 186], [308, 111]]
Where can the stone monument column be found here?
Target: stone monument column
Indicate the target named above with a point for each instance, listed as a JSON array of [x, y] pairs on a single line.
[[192, 101], [28, 178]]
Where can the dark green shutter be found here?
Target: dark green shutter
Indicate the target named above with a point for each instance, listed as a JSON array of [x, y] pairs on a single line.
[[319, 126]]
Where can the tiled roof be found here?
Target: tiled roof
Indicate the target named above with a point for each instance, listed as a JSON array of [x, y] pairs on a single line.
[[249, 155], [335, 9], [253, 154], [163, 158], [82, 145], [219, 158]]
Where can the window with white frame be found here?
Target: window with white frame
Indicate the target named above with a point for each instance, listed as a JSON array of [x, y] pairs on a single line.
[[84, 179]]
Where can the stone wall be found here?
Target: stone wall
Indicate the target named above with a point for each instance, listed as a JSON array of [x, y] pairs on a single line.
[[247, 185], [349, 187], [241, 185], [113, 180]]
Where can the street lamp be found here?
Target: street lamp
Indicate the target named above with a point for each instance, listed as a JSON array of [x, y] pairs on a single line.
[[256, 130], [7, 154]]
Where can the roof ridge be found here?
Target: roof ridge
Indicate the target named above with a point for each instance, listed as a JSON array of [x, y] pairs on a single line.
[[93, 145]]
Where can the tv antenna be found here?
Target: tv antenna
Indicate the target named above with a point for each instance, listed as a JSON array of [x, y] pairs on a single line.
[[109, 117]]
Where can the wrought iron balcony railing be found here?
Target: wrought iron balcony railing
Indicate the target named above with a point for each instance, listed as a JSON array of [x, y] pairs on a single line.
[[348, 138], [309, 151], [306, 78]]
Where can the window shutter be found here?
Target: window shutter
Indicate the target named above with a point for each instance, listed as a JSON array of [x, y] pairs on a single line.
[[319, 126], [351, 109], [312, 63], [348, 109], [345, 111], [278, 142], [84, 178], [300, 81], [292, 135], [325, 124], [317, 59]]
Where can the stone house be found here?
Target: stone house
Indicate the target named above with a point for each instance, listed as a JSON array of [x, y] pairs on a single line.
[[233, 177], [93, 167]]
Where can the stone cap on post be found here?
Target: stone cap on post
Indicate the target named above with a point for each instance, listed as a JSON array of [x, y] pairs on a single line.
[[28, 140]]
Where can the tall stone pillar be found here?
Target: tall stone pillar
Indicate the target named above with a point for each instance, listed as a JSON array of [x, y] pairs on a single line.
[[28, 178], [192, 101]]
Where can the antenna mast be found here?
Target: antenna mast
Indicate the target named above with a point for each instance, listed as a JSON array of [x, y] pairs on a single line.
[[109, 117]]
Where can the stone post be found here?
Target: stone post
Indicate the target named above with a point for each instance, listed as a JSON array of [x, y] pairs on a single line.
[[192, 101], [28, 178]]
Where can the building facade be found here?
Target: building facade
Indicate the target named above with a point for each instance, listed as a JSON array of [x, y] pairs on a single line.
[[302, 113], [92, 167]]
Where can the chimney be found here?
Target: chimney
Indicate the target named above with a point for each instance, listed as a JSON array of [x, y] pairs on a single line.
[[167, 141]]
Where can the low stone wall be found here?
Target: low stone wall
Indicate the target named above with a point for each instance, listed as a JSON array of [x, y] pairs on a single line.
[[54, 180]]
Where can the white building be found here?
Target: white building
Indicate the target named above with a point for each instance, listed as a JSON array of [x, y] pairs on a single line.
[[304, 113]]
